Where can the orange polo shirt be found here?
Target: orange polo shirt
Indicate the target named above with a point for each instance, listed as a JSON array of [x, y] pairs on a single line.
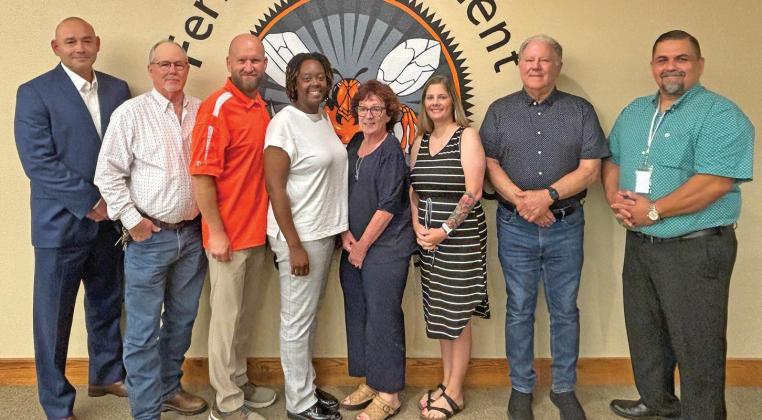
[[228, 144]]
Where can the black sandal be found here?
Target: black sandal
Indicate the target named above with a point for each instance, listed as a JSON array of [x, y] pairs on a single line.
[[430, 400], [448, 414]]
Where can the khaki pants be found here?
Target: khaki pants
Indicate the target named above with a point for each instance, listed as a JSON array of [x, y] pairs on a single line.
[[227, 337]]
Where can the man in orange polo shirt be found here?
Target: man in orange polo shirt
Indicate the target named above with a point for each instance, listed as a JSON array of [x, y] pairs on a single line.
[[229, 185]]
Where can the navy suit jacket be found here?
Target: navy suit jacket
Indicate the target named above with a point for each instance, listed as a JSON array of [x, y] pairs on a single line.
[[58, 146]]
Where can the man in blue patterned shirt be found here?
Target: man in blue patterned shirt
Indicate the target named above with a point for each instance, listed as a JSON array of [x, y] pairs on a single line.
[[544, 148], [677, 159]]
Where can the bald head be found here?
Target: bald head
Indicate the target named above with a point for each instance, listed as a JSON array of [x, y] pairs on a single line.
[[246, 62], [77, 46], [242, 41], [64, 24]]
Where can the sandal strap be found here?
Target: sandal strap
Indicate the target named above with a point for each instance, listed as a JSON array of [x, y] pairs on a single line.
[[444, 411], [429, 399], [451, 402], [380, 409], [361, 394]]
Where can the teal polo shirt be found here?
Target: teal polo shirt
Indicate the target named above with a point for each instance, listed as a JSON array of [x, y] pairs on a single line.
[[701, 133]]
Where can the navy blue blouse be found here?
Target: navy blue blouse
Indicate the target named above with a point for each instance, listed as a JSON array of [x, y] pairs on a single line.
[[379, 181]]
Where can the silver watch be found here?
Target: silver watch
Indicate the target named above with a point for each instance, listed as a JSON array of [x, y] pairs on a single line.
[[653, 214]]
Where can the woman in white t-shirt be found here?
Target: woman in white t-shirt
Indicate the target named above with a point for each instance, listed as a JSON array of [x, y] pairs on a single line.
[[306, 175]]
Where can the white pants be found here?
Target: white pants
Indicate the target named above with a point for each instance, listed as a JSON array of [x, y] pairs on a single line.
[[299, 301]]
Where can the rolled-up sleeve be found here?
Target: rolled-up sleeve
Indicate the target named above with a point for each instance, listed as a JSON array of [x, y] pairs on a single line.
[[113, 169], [391, 182]]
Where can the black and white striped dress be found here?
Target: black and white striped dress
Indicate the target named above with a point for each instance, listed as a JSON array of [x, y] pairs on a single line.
[[454, 276]]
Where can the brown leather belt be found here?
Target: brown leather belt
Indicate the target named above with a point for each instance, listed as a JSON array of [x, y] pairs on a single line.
[[718, 230], [173, 226]]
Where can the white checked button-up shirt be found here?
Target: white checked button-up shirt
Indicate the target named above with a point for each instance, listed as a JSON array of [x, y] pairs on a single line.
[[143, 162], [89, 93]]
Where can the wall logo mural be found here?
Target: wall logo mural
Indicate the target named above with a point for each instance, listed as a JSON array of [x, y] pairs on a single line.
[[397, 42]]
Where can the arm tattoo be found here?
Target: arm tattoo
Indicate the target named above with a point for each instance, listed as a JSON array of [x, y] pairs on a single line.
[[464, 207]]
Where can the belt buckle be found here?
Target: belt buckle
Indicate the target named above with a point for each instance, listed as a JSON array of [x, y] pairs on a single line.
[[563, 212]]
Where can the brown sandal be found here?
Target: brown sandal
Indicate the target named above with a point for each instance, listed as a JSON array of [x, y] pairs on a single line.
[[429, 399], [360, 398], [380, 409]]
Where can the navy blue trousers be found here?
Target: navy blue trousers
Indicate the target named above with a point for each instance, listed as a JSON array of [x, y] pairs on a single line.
[[375, 322], [57, 276]]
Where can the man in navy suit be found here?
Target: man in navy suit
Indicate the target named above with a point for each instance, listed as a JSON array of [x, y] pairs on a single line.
[[60, 119]]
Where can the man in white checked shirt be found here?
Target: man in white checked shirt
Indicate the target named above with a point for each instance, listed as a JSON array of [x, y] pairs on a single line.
[[142, 174]]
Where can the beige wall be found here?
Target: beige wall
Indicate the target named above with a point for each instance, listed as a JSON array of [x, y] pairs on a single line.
[[607, 47]]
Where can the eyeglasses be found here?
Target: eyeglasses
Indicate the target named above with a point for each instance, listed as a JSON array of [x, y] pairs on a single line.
[[375, 111], [165, 66]]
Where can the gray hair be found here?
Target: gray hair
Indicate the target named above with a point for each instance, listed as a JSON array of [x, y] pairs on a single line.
[[547, 39], [152, 52]]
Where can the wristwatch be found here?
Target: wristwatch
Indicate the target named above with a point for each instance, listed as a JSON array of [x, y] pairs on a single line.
[[447, 228], [553, 194], [653, 214]]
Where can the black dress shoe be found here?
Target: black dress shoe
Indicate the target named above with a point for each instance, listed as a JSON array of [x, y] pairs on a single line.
[[636, 409], [327, 400], [316, 412]]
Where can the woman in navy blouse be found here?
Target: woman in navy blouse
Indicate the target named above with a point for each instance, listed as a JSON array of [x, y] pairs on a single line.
[[377, 250]]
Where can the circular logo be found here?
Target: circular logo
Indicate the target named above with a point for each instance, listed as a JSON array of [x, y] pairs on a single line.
[[395, 42]]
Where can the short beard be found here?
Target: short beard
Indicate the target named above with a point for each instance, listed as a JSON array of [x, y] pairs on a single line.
[[674, 88], [245, 87]]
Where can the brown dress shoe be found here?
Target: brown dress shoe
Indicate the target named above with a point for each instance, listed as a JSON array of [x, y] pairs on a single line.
[[117, 388], [185, 403]]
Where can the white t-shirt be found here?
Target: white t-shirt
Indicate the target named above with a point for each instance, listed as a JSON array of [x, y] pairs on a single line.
[[317, 182]]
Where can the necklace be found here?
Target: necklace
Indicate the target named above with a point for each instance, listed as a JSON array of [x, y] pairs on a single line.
[[361, 156], [357, 167]]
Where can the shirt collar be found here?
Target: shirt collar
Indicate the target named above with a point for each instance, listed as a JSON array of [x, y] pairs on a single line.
[[698, 87], [164, 103], [549, 100], [258, 101], [81, 84]]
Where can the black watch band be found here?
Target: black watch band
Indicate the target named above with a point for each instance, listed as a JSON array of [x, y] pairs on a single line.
[[553, 194]]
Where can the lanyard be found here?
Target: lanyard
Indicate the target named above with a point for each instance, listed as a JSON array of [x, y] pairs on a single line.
[[654, 128]]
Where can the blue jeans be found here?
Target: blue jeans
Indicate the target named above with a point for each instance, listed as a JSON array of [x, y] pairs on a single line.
[[529, 253], [168, 270]]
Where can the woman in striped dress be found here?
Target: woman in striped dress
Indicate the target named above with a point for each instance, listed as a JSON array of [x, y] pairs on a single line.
[[447, 173]]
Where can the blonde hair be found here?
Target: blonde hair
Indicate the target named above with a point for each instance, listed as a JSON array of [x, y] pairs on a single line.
[[425, 125]]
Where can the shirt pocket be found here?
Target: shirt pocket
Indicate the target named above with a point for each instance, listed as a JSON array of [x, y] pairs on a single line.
[[674, 152]]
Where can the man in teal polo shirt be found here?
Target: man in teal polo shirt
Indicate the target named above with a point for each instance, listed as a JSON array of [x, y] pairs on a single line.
[[677, 160]]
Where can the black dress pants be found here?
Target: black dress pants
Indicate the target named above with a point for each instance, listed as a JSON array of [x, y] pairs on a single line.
[[676, 309]]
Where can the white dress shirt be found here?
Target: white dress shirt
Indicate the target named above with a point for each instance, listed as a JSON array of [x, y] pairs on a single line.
[[89, 93], [143, 162]]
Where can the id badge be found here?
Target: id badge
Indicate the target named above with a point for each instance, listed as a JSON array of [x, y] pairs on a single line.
[[643, 180]]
